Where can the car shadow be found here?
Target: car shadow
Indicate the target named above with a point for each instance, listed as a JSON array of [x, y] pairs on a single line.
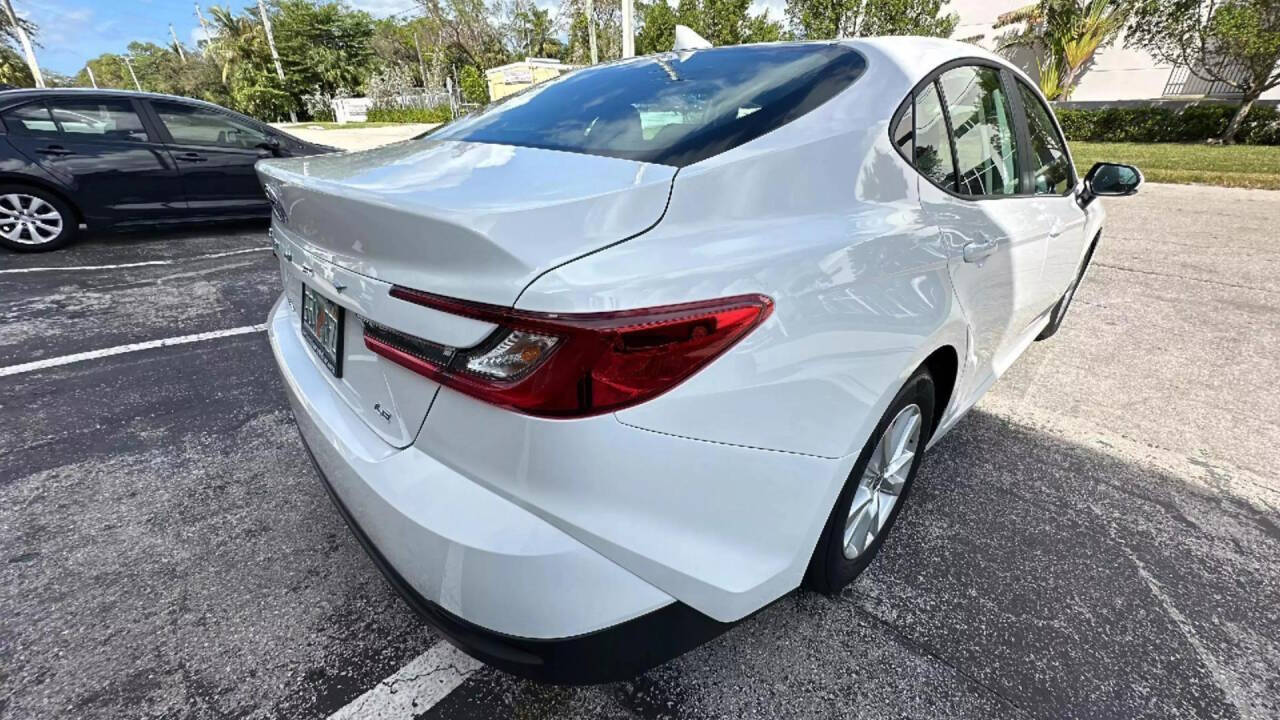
[[1026, 575]]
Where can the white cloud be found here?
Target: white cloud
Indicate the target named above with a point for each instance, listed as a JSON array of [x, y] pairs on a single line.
[[777, 8]]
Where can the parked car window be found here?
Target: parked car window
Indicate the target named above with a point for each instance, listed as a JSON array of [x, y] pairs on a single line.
[[191, 125], [1053, 174], [33, 119], [983, 130], [104, 117], [670, 108]]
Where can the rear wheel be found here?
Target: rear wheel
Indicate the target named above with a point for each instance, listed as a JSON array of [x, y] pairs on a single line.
[[876, 489], [34, 220]]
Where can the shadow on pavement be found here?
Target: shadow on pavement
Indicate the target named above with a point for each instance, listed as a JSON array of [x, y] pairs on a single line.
[[1028, 576]]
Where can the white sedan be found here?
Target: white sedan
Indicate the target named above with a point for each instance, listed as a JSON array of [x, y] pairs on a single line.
[[611, 365]]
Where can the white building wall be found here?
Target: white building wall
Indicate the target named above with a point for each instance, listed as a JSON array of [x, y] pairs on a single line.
[[1118, 73]]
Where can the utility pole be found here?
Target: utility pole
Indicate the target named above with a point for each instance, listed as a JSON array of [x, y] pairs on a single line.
[[422, 66], [203, 25], [26, 43], [92, 79], [177, 44], [275, 56], [591, 30], [628, 29], [129, 65]]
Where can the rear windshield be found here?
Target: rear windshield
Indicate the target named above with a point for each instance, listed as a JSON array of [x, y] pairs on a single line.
[[675, 108]]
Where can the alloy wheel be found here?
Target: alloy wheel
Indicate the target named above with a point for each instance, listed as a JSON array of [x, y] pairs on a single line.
[[882, 482], [29, 220]]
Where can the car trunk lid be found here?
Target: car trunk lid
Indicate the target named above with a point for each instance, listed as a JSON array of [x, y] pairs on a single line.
[[471, 221]]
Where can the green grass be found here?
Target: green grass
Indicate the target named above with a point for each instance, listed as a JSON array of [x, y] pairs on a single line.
[[1242, 166]]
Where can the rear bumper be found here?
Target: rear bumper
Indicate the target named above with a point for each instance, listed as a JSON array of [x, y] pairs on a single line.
[[501, 583], [609, 655]]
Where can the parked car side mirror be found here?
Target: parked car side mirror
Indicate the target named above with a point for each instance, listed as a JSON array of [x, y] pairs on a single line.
[[1106, 179], [271, 144]]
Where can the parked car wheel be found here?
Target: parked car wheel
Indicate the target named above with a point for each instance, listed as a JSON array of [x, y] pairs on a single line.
[[34, 220], [876, 489]]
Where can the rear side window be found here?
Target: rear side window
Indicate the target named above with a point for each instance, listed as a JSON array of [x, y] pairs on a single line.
[[673, 108], [112, 119], [33, 119], [191, 125], [983, 131], [932, 152], [1053, 174]]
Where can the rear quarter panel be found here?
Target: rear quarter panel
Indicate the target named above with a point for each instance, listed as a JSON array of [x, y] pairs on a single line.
[[823, 216]]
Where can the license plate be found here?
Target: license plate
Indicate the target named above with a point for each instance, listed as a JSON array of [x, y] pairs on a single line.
[[322, 327]]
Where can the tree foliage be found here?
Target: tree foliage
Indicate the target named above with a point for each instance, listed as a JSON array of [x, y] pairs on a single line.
[[1234, 42], [722, 22], [1064, 35], [825, 19]]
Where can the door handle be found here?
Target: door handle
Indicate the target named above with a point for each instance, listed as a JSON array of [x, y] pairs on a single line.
[[978, 251], [192, 157], [1055, 230], [54, 150]]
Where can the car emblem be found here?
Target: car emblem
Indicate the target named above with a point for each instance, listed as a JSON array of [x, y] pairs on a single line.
[[277, 205]]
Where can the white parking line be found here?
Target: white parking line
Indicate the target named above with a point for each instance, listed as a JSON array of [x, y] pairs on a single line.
[[143, 263], [122, 349], [414, 688]]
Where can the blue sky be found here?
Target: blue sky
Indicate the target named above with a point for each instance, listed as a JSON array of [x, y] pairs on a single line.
[[74, 31]]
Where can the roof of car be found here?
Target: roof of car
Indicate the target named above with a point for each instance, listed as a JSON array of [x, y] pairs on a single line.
[[36, 92], [918, 56]]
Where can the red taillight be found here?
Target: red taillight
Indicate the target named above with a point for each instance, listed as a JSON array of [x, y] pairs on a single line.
[[573, 364]]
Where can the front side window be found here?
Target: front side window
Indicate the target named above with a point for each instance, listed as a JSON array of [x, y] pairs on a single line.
[[191, 125], [1053, 172], [672, 108], [983, 131], [108, 118], [33, 119]]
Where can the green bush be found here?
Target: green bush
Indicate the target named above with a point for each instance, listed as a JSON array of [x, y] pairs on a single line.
[[1194, 123], [437, 114], [475, 89]]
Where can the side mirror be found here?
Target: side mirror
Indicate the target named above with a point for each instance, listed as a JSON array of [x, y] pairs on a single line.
[[271, 144], [1106, 179]]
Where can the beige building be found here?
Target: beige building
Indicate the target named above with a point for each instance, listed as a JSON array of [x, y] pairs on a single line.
[[516, 76], [1117, 73]]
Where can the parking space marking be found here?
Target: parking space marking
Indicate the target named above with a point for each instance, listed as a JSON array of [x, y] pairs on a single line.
[[143, 263], [122, 349], [414, 688]]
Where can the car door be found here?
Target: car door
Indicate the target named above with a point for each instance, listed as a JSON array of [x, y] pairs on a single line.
[[996, 238], [215, 153], [1053, 183], [98, 147]]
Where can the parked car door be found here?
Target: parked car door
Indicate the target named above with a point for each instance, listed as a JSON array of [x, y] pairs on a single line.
[[102, 153], [1053, 182], [996, 237], [215, 153]]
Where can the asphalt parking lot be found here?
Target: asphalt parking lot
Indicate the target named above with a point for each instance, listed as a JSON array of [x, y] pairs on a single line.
[[1100, 538]]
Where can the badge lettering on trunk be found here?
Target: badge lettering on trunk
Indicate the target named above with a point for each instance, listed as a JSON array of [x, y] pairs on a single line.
[[386, 414]]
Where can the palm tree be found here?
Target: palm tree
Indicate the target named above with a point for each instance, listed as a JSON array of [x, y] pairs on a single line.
[[1065, 35], [235, 41]]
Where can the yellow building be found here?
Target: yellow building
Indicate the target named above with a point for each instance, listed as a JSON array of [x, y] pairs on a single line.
[[516, 76]]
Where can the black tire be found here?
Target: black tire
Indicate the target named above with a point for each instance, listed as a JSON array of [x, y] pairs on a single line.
[[18, 229], [830, 570]]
